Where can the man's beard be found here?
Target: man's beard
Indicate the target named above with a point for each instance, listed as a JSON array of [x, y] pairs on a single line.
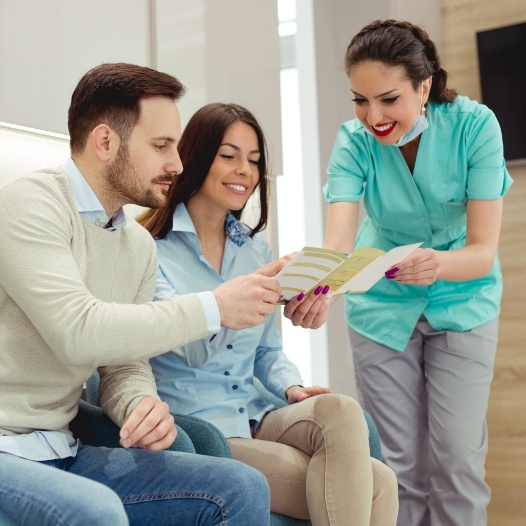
[[122, 178]]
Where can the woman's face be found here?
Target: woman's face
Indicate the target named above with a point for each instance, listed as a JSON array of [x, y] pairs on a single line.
[[385, 100], [234, 173]]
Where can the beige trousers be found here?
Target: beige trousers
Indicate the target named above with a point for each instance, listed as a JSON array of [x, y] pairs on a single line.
[[315, 455]]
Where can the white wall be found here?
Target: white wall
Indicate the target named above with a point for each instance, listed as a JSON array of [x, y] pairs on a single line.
[[226, 51], [46, 46], [222, 51]]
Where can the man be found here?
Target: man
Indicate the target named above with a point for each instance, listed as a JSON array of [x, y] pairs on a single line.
[[76, 283]]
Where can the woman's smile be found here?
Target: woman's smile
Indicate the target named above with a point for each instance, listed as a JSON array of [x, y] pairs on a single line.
[[383, 129]]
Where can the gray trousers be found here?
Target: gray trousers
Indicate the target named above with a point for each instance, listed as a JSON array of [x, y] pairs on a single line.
[[429, 404]]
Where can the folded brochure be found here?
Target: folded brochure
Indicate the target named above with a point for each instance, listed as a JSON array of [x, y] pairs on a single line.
[[344, 273]]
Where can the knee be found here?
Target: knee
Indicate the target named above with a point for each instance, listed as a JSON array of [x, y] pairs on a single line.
[[339, 410], [103, 508], [108, 511], [251, 484], [385, 488], [459, 455], [256, 491], [384, 478]]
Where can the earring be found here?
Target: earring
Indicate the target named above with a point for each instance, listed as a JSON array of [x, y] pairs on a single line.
[[423, 110]]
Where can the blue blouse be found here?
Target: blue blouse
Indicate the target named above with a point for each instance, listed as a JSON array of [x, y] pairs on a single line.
[[460, 157], [214, 379]]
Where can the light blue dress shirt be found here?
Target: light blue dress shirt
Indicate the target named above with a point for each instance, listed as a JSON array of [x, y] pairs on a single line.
[[219, 388], [460, 157]]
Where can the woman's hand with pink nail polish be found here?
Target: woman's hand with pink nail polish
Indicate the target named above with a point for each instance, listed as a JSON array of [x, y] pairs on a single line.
[[421, 267], [311, 312]]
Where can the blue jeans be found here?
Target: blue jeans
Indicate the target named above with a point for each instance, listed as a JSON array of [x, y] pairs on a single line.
[[102, 486]]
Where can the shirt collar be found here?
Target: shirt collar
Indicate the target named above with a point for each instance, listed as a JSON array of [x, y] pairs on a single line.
[[87, 202], [235, 230]]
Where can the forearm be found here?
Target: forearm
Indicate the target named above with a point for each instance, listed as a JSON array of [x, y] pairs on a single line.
[[276, 372], [122, 387], [342, 225], [464, 264], [476, 258]]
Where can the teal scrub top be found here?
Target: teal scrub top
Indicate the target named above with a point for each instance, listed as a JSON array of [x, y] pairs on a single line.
[[460, 157]]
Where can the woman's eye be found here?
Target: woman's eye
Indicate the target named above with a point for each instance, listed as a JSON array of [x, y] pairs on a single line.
[[390, 101], [253, 161], [226, 156], [359, 102]]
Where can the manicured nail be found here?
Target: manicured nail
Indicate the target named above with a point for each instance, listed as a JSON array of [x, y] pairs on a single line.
[[300, 296], [318, 290], [325, 289], [391, 272]]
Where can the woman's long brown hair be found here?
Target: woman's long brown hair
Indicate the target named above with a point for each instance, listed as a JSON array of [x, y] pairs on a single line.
[[198, 147]]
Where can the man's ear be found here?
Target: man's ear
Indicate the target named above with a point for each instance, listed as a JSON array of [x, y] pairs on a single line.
[[104, 142]]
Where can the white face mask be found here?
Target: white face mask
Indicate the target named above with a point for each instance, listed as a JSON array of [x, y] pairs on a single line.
[[419, 126]]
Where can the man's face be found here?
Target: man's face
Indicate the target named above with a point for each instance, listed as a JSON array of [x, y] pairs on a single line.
[[148, 162]]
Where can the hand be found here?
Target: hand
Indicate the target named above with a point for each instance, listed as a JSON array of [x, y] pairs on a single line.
[[421, 267], [272, 268], [310, 312], [296, 393], [149, 426], [245, 301]]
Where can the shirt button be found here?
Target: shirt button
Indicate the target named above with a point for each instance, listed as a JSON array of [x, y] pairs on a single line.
[[234, 387], [229, 346], [241, 410], [227, 373]]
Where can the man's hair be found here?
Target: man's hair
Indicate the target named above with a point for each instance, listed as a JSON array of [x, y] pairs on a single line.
[[111, 94]]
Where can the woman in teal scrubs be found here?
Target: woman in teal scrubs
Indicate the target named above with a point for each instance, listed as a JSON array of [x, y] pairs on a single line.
[[429, 166]]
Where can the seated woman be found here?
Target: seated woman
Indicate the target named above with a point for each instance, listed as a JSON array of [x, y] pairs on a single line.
[[315, 451]]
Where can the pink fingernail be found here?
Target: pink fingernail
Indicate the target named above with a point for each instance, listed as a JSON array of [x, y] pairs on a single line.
[[325, 289], [300, 296], [318, 290]]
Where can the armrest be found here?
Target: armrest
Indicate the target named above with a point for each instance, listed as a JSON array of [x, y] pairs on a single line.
[[374, 438], [94, 428], [205, 437]]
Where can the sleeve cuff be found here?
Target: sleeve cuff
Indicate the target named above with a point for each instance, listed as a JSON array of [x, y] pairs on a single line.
[[213, 318]]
